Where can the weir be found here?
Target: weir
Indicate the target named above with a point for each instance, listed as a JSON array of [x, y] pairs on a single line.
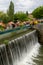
[[16, 50]]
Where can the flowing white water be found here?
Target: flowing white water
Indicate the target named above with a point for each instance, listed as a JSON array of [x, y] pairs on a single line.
[[20, 51], [29, 58]]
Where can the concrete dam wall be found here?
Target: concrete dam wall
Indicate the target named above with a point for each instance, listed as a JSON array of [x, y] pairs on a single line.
[[16, 50]]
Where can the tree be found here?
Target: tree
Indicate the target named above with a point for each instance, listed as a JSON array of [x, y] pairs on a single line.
[[38, 12], [10, 11], [4, 17], [20, 16], [15, 17]]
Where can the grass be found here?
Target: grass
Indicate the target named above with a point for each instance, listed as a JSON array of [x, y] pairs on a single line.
[[14, 36]]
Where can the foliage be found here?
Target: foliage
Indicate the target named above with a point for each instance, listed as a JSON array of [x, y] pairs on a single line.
[[10, 11], [4, 17], [20, 16], [1, 28], [38, 12], [10, 16], [15, 17]]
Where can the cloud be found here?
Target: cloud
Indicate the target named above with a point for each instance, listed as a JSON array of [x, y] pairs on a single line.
[[4, 4], [21, 5], [27, 5]]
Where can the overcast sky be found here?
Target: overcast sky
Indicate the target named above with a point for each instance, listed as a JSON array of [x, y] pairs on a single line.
[[21, 5]]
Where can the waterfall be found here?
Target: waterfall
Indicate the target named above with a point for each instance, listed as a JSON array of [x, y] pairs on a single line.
[[16, 50]]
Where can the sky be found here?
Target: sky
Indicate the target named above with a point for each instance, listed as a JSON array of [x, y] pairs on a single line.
[[21, 5]]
